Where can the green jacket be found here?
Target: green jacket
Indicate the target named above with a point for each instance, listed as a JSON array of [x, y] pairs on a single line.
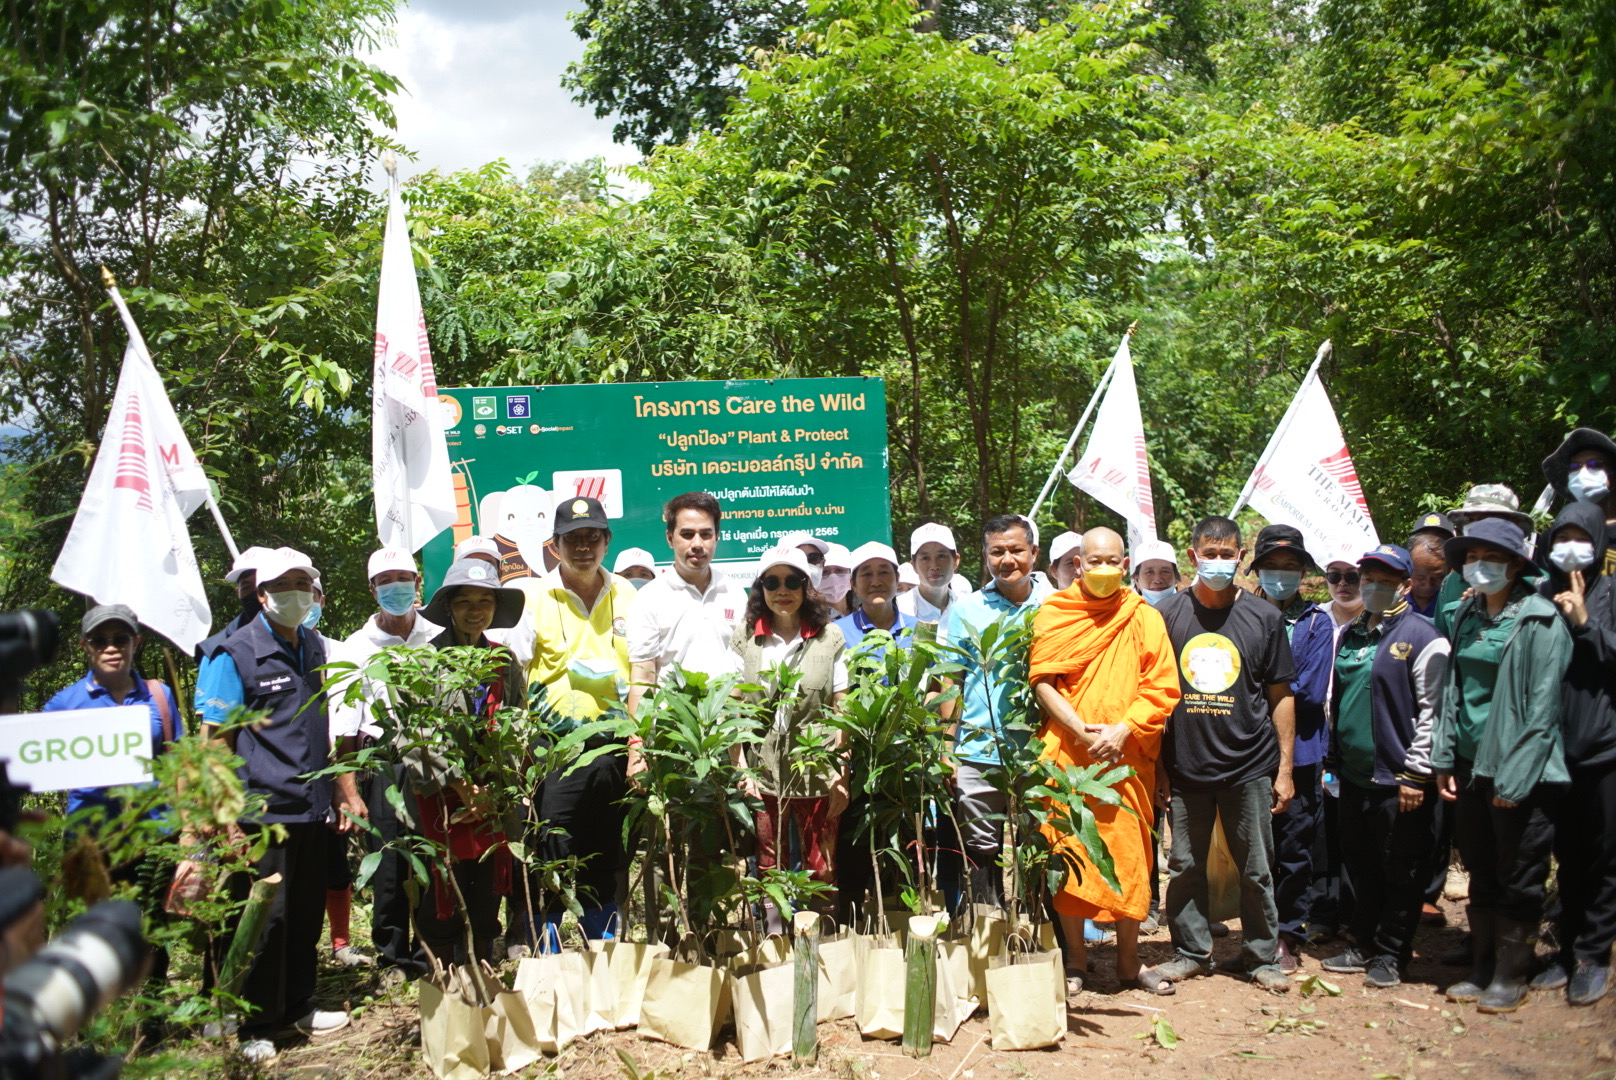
[[1520, 747]]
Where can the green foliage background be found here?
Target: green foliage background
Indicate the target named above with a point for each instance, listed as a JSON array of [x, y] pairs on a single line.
[[973, 201]]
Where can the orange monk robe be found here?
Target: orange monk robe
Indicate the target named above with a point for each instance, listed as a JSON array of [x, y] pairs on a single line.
[[1112, 660]]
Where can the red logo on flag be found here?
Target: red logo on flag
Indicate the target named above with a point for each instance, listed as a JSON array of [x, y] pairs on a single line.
[[1339, 466], [131, 472]]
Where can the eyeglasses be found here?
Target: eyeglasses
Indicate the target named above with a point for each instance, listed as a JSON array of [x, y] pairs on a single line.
[[117, 641], [791, 581], [1336, 577], [815, 556]]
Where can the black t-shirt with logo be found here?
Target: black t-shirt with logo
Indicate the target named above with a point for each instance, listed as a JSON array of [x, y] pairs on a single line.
[[1221, 733]]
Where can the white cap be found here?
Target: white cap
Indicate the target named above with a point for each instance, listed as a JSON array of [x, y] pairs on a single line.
[[476, 545], [838, 555], [390, 558], [1153, 551], [798, 539], [247, 560], [929, 532], [281, 561], [907, 575], [784, 556], [1032, 528], [873, 550], [1063, 544], [633, 557]]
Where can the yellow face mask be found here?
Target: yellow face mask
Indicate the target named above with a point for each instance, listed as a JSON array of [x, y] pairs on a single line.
[[1101, 581]]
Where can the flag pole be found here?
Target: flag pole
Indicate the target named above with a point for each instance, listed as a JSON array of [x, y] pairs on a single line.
[[1094, 399], [111, 284], [1284, 426]]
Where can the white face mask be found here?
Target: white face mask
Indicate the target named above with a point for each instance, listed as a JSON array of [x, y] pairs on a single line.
[[1588, 484], [289, 607], [1571, 555], [1486, 576]]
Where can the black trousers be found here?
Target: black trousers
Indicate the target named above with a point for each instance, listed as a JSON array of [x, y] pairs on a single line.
[[1295, 834], [1388, 852], [338, 871], [1506, 850], [581, 815], [280, 983], [1585, 845], [390, 931], [1443, 854], [446, 937]]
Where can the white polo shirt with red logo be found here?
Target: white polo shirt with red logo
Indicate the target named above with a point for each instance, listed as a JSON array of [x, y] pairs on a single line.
[[673, 622]]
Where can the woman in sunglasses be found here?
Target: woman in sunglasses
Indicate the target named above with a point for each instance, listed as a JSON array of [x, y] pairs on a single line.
[[1345, 604], [788, 646], [110, 638]]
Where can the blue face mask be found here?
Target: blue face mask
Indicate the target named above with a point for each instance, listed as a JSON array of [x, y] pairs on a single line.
[[396, 597], [312, 619], [1154, 597], [640, 583], [1217, 574], [1280, 584]]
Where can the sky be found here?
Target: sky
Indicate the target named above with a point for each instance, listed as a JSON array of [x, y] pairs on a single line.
[[482, 80]]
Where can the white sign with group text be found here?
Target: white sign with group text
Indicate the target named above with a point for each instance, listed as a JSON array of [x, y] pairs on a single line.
[[77, 748]]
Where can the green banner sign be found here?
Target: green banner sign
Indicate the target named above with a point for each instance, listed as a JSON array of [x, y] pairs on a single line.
[[780, 455]]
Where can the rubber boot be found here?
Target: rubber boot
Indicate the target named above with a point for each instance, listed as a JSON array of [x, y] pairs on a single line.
[[1517, 941], [1483, 939]]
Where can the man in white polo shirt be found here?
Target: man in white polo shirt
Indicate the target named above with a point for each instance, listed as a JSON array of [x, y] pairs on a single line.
[[936, 560], [688, 614]]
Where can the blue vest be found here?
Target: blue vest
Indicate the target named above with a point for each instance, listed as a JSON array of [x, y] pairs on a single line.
[[295, 738], [208, 646]]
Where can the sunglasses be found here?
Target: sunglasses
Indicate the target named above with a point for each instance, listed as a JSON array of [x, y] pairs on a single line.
[[1336, 577], [117, 641], [814, 556], [791, 581]]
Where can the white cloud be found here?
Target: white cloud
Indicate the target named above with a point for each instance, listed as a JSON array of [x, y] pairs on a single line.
[[482, 81]]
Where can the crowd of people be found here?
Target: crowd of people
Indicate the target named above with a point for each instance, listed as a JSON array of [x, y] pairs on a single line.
[[1454, 691]]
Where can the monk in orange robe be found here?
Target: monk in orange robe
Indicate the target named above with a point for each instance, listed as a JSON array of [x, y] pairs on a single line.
[[1106, 679]]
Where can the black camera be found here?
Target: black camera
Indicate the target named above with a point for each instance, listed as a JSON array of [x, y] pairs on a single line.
[[47, 998], [28, 640]]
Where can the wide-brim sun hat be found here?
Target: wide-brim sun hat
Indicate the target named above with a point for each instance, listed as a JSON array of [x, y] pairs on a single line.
[[1490, 500], [1488, 532], [508, 602], [1557, 466]]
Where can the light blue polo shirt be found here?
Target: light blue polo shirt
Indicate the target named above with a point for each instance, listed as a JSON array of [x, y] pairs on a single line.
[[985, 700]]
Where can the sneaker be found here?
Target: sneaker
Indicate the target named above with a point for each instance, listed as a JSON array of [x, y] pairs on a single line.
[[393, 977], [348, 956], [1285, 956], [1553, 977], [215, 1029], [1431, 915], [1383, 973], [1180, 968], [1150, 925], [320, 1022], [259, 1051], [518, 952], [1349, 962], [1588, 983], [1271, 979]]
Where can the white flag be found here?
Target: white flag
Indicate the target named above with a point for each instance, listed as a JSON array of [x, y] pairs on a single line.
[[128, 544], [415, 497], [1114, 467], [1305, 478]]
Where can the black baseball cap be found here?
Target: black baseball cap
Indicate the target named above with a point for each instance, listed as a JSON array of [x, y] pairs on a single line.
[[102, 614], [580, 512], [1434, 522], [1280, 538]]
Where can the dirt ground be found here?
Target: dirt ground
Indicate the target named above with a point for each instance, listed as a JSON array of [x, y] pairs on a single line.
[[1226, 1028]]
